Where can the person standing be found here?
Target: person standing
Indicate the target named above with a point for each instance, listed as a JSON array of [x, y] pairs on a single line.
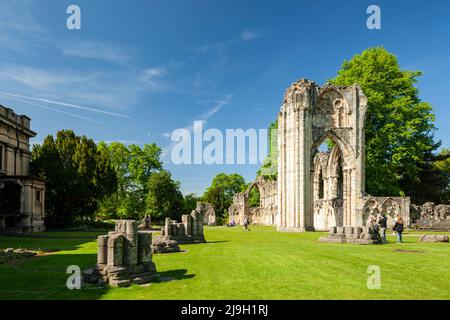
[[382, 222], [398, 227], [246, 223]]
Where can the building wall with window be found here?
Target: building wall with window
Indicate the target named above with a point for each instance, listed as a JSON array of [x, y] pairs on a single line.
[[22, 197]]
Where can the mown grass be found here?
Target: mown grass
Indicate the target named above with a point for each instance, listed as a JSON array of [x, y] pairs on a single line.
[[234, 264]]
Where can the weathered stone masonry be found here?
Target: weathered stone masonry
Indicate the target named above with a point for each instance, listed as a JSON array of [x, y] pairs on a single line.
[[320, 190]]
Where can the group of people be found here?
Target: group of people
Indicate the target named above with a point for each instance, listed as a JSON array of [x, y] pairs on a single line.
[[380, 227], [246, 223]]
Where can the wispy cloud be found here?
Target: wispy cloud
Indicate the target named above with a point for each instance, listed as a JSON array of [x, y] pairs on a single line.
[[98, 51], [218, 105], [249, 35], [218, 58], [54, 110], [62, 104], [151, 78], [18, 28]]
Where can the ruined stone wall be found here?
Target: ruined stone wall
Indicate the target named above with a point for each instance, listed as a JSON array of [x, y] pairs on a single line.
[[309, 115], [430, 216], [267, 211]]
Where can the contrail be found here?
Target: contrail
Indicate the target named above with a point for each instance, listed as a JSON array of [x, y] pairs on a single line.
[[59, 111], [65, 104]]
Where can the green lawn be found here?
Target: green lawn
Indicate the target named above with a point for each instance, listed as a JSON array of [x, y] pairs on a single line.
[[260, 264]]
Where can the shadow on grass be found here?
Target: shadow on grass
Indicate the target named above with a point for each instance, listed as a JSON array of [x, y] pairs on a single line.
[[44, 277], [218, 241], [171, 275]]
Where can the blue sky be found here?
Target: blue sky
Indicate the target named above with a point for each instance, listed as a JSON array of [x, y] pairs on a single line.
[[138, 70]]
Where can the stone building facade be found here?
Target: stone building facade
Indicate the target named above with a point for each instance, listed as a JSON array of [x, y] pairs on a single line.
[[22, 205], [319, 190]]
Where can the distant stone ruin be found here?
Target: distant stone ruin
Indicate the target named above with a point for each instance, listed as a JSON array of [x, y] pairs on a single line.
[[355, 235], [190, 230], [208, 212], [431, 217], [124, 257], [434, 238]]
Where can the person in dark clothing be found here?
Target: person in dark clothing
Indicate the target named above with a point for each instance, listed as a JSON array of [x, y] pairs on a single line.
[[398, 227], [246, 224], [382, 222]]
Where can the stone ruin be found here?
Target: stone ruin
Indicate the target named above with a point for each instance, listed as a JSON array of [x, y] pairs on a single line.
[[209, 214], [431, 217], [190, 230], [434, 238], [354, 235], [146, 223], [124, 257]]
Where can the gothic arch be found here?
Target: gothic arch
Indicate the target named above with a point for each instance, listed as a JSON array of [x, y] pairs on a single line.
[[310, 115]]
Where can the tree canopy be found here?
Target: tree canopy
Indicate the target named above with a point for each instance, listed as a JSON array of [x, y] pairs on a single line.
[[77, 174], [220, 193], [399, 126]]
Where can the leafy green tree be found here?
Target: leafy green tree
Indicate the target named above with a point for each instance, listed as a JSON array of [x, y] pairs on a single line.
[[399, 126], [164, 198], [269, 168], [78, 176], [435, 180], [220, 193], [190, 203], [134, 166], [254, 198]]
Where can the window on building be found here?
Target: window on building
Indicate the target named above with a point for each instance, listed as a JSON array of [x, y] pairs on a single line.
[[38, 195]]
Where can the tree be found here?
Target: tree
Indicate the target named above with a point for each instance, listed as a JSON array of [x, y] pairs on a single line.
[[190, 203], [269, 168], [254, 198], [399, 126], [164, 198], [134, 166], [441, 165], [220, 193], [78, 176]]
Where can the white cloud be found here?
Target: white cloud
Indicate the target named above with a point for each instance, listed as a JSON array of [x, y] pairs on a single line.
[[204, 117], [249, 35], [151, 78], [61, 104], [98, 51], [18, 28]]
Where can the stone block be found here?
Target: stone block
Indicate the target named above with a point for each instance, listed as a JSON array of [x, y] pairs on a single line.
[[130, 253], [102, 250], [434, 238], [115, 250], [145, 247]]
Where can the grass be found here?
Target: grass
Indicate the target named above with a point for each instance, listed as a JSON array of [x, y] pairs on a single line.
[[260, 264]]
